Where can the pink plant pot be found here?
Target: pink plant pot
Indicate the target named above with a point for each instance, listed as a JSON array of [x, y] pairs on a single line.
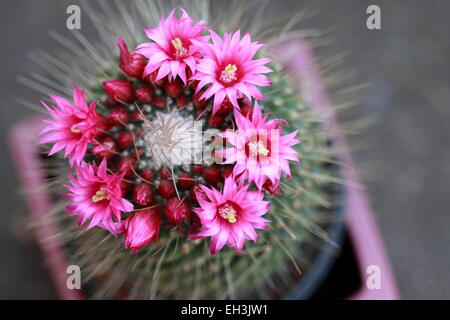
[[359, 220]]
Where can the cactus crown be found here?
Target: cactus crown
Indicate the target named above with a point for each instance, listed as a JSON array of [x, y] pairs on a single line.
[[145, 192]]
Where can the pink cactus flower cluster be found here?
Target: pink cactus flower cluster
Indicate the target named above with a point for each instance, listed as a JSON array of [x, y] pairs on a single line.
[[123, 181]]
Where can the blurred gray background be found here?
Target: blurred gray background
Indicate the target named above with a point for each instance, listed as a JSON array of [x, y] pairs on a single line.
[[405, 161]]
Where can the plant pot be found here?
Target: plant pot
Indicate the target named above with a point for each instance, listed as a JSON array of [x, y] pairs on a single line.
[[357, 233]]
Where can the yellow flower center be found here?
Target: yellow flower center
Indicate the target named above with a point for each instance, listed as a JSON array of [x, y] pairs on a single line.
[[258, 148], [231, 217], [74, 129], [230, 69], [177, 44], [229, 73], [227, 212], [180, 50], [100, 195]]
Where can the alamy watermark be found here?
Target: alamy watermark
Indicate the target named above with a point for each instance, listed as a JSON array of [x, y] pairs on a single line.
[[73, 21], [73, 281], [373, 21], [373, 281]]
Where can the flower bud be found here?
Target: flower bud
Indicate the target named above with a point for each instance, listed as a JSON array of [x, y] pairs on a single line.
[[197, 192], [177, 210], [273, 189], [144, 94], [227, 171], [101, 127], [126, 165], [119, 116], [215, 121], [185, 181], [197, 169], [247, 112], [195, 226], [174, 89], [120, 90], [181, 101], [141, 228], [106, 148], [212, 174], [131, 63], [147, 174], [166, 189], [125, 139], [159, 103], [225, 108], [143, 194]]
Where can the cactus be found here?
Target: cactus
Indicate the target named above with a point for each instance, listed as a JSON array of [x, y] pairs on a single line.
[[180, 267]]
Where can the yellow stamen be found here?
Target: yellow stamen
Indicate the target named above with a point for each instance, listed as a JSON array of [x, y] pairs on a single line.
[[177, 44], [100, 195], [74, 129], [230, 70], [258, 148], [227, 211], [229, 74], [180, 51], [231, 217]]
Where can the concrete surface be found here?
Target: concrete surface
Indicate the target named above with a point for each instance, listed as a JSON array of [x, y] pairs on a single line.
[[406, 154]]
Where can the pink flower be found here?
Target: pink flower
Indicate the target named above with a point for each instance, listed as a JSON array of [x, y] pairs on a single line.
[[231, 217], [141, 228], [97, 195], [72, 127], [259, 150], [173, 52], [230, 70]]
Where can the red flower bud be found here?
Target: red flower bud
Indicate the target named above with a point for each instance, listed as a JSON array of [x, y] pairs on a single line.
[[181, 101], [119, 116], [131, 63], [126, 165], [141, 228], [273, 189], [106, 148], [138, 115], [125, 139], [185, 181], [110, 102], [197, 102], [227, 171], [166, 189], [173, 89], [212, 174], [125, 187], [225, 108], [151, 79], [197, 169], [144, 94], [195, 226], [164, 174], [120, 90], [177, 210], [147, 174], [247, 111], [197, 192], [102, 126], [159, 102], [215, 121], [137, 154], [143, 194]]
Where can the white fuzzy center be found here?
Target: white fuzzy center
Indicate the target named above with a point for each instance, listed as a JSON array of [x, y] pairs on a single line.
[[172, 140]]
